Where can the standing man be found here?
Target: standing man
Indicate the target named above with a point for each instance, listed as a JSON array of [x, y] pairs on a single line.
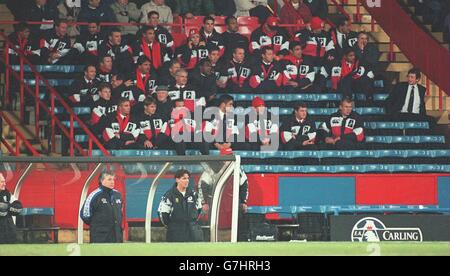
[[9, 207], [102, 211], [179, 210]]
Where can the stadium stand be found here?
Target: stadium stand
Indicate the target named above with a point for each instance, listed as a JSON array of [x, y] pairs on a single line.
[[393, 150]]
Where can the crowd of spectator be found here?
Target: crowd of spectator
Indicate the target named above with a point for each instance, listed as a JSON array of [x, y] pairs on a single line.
[[136, 81]]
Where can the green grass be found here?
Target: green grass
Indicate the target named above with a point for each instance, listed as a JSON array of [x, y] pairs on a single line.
[[227, 249]]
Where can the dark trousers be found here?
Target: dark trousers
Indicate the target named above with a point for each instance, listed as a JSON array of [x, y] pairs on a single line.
[[350, 86]]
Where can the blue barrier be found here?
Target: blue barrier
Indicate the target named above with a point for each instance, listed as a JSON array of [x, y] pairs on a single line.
[[358, 169], [405, 139], [52, 82], [311, 97], [76, 110], [295, 154], [328, 209], [51, 68], [318, 111]]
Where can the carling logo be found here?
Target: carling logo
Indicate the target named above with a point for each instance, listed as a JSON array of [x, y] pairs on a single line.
[[373, 230]]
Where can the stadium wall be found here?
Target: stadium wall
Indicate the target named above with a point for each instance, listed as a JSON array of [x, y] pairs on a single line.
[[62, 191]]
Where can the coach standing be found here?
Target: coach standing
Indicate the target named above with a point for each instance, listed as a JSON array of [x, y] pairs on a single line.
[[102, 211], [9, 207], [179, 210]]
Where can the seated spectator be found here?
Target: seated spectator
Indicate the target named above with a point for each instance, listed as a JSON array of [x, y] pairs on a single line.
[[318, 8], [191, 53], [154, 128], [162, 33], [56, 46], [204, 81], [121, 53], [209, 34], [102, 107], [214, 58], [237, 73], [144, 77], [69, 10], [191, 8], [352, 76], [406, 101], [105, 70], [223, 130], [343, 37], [159, 6], [165, 104], [169, 72], [126, 12], [84, 90], [243, 7], [344, 129], [267, 74], [88, 44], [39, 11], [95, 10], [317, 55], [149, 47], [120, 130], [295, 12], [271, 35], [367, 52], [182, 90], [23, 41], [232, 39], [299, 131], [184, 130], [298, 75], [262, 129]]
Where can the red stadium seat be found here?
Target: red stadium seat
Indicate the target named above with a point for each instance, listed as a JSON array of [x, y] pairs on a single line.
[[177, 20], [220, 20], [220, 29], [248, 20], [179, 39]]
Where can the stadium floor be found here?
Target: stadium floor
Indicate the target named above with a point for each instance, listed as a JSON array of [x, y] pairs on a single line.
[[227, 249]]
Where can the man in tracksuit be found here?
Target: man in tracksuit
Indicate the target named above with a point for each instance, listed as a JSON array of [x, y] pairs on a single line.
[[9, 207], [102, 211], [179, 210]]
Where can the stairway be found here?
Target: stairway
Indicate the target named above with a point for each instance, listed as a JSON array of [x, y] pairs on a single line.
[[28, 131], [395, 71]]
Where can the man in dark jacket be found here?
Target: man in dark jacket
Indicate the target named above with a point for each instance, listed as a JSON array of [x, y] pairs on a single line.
[[102, 211], [95, 10], [299, 132], [179, 210], [204, 81], [39, 11], [9, 207]]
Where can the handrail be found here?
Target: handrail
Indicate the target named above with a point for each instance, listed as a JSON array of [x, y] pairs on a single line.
[[430, 56], [55, 94], [19, 137], [55, 120], [341, 10]]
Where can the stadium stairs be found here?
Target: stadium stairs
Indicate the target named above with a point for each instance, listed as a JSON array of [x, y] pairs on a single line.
[[396, 63]]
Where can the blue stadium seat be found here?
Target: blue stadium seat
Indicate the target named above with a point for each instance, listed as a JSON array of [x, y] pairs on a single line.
[[301, 97], [405, 139], [52, 82], [52, 68]]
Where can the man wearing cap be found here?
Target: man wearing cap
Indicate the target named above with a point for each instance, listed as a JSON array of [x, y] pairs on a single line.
[[319, 47], [271, 35], [163, 101], [267, 74], [261, 128], [195, 50]]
